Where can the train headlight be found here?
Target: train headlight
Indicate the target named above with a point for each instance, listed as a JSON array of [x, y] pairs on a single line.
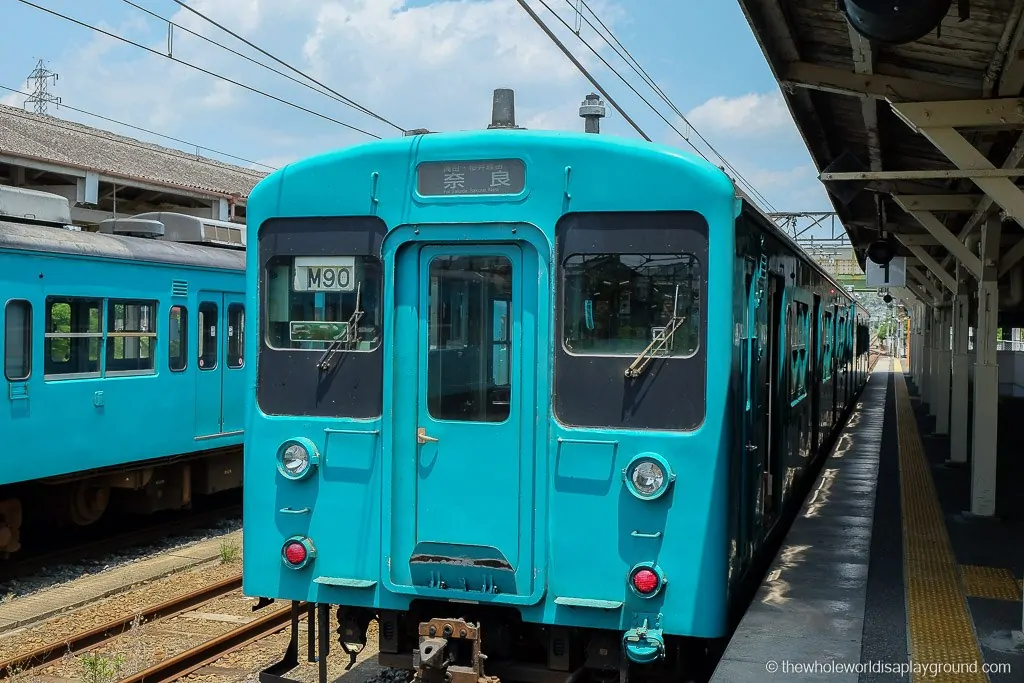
[[648, 476], [296, 458]]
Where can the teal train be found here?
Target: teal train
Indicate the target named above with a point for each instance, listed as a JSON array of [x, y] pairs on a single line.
[[124, 385], [531, 402]]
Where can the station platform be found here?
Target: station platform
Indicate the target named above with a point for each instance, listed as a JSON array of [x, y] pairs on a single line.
[[883, 576]]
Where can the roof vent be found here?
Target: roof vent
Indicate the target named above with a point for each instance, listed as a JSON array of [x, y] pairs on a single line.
[[132, 227], [32, 206], [179, 227]]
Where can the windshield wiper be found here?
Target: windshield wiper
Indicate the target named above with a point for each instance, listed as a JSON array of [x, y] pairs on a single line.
[[658, 343], [350, 336], [644, 357]]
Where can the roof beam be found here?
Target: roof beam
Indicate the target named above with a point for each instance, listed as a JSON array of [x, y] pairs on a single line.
[[1006, 112], [1011, 79], [947, 239], [925, 175], [941, 202], [943, 275], [963, 154], [919, 293], [926, 283], [868, 84]]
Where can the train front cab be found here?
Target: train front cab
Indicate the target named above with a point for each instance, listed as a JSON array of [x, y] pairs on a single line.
[[471, 443]]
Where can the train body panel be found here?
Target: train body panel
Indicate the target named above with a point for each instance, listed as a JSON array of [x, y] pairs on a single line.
[[126, 353], [585, 398]]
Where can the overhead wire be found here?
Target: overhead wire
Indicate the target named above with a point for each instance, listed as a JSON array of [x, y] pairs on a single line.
[[637, 68], [326, 93], [200, 69], [649, 81], [343, 98], [56, 123], [582, 69]]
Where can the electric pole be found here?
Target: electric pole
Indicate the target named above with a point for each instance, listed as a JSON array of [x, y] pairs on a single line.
[[40, 96]]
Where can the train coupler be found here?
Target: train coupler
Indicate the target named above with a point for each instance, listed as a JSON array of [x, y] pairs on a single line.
[[644, 644], [449, 652]]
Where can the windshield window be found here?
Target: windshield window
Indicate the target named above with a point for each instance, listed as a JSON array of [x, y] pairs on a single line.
[[313, 301], [618, 304]]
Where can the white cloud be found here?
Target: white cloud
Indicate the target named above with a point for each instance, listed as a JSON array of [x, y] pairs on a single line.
[[418, 65], [752, 113]]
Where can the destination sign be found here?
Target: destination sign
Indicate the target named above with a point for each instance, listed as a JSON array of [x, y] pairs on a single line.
[[317, 331], [324, 274], [464, 178]]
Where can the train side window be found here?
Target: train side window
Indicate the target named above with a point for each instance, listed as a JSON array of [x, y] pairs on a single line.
[[73, 337], [177, 329], [236, 335], [131, 337], [207, 335], [18, 340]]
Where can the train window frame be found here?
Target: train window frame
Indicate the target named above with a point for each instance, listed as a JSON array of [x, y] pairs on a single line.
[[50, 337], [436, 406], [146, 318], [287, 381], [316, 346], [235, 352], [585, 392], [182, 338], [206, 342], [644, 342], [24, 339]]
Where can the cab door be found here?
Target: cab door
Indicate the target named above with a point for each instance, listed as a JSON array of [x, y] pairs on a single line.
[[463, 419]]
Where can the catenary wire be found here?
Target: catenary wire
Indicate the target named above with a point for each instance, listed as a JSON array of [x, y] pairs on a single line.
[[352, 103], [200, 69], [341, 99], [640, 72]]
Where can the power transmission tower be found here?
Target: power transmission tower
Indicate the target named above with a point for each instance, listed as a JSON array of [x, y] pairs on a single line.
[[40, 96]]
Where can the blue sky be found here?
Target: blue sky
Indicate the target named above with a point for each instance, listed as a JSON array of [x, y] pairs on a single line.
[[419, 63]]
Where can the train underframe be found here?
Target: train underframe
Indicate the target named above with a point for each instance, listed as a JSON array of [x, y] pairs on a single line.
[[83, 499], [478, 644]]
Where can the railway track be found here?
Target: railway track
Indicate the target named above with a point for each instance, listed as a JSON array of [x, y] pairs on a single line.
[[190, 660], [104, 633]]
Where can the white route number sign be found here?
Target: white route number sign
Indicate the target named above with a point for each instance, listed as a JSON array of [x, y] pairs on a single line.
[[324, 274]]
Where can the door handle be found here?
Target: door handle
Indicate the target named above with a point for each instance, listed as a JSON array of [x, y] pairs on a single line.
[[421, 436]]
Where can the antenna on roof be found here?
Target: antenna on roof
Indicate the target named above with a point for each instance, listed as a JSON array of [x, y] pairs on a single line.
[[40, 96]]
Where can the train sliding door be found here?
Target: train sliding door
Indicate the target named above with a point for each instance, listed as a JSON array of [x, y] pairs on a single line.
[[219, 377]]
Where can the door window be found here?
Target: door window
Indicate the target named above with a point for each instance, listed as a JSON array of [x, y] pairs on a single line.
[[207, 335], [469, 338], [18, 340], [236, 334]]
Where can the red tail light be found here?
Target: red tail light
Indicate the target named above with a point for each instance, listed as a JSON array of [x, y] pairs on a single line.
[[295, 553], [645, 581]]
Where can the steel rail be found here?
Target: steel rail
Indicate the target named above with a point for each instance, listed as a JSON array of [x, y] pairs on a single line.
[[180, 665], [112, 629]]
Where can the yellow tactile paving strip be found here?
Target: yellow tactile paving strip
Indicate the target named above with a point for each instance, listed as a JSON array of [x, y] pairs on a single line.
[[940, 629], [996, 583]]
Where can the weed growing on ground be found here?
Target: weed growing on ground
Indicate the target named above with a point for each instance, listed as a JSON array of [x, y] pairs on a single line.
[[99, 668], [229, 551]]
